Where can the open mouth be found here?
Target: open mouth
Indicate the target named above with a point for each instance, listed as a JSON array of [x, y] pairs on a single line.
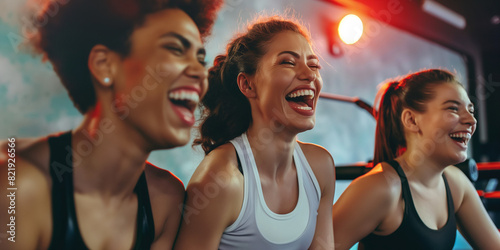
[[462, 138], [301, 100], [184, 104], [184, 98]]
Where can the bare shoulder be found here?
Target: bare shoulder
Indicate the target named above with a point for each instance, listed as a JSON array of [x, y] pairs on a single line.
[[166, 194], [367, 205], [220, 164], [166, 191], [30, 159], [163, 182], [321, 162], [454, 175], [367, 202], [219, 178], [25, 165], [382, 182], [33, 150], [214, 199], [317, 154], [458, 183]]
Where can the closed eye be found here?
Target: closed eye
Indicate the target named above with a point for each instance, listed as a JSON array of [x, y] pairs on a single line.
[[315, 66], [174, 49], [288, 62], [453, 108], [202, 61], [201, 55]]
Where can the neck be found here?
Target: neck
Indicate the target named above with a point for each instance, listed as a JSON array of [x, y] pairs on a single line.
[[108, 156], [421, 168], [273, 151]]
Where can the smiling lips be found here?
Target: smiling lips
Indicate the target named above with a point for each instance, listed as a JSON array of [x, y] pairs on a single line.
[[302, 101], [461, 138], [185, 100]]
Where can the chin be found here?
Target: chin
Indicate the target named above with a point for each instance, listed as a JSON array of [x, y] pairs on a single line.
[[181, 139], [458, 158], [308, 128], [462, 158], [176, 139], [300, 129], [309, 125]]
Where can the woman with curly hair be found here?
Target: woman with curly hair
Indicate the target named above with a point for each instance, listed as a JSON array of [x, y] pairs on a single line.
[[135, 70]]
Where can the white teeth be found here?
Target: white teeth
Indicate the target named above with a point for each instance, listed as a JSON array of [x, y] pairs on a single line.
[[305, 108], [184, 95], [465, 136], [461, 135], [302, 92]]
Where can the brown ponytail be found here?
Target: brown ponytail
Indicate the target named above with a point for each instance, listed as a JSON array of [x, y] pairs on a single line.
[[227, 112]]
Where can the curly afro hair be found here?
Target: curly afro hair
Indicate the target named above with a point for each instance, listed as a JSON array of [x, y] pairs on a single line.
[[66, 31]]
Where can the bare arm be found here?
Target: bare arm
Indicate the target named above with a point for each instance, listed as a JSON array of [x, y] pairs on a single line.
[[362, 208], [213, 202], [26, 208], [472, 219], [324, 169], [167, 198]]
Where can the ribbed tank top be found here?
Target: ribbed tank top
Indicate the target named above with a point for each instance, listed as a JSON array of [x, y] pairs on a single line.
[[257, 227], [413, 233]]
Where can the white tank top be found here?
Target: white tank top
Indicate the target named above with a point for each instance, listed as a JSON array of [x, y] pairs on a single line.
[[257, 227]]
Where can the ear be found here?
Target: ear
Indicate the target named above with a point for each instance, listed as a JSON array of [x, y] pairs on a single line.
[[246, 86], [100, 64], [409, 121]]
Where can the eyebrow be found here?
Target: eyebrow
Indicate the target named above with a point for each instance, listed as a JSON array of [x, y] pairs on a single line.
[[457, 103], [185, 42], [296, 55]]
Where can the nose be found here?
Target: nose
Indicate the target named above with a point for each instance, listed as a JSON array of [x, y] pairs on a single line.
[[468, 118], [307, 74], [196, 70]]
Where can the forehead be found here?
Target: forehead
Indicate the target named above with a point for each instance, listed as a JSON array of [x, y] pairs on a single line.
[[451, 91], [165, 21], [289, 41]]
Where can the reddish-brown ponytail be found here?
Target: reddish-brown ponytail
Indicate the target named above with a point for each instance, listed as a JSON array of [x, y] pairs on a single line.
[[413, 91]]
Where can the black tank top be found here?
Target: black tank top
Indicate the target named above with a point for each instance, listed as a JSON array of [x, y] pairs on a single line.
[[65, 232], [413, 233]]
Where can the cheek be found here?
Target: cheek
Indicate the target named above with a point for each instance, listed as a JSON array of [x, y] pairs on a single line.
[[167, 69], [163, 67], [133, 71], [282, 78], [440, 135], [474, 128], [448, 117], [433, 126], [319, 83]]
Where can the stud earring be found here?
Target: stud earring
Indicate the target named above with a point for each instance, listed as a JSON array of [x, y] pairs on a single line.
[[107, 80]]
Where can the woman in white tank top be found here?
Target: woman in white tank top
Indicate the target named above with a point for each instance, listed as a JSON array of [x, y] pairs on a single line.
[[258, 187]]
